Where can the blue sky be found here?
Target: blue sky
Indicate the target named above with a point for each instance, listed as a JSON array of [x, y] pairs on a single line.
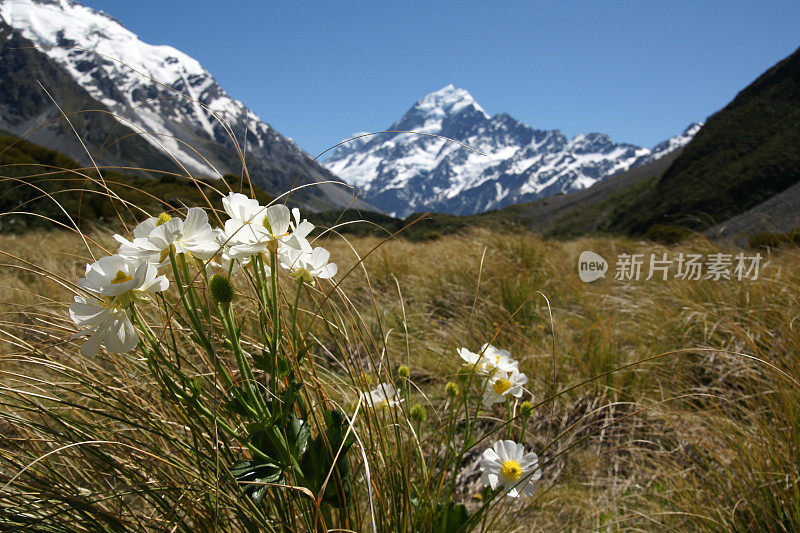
[[319, 71]]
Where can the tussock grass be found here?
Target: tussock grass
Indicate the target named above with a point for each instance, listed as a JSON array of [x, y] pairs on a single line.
[[666, 404]]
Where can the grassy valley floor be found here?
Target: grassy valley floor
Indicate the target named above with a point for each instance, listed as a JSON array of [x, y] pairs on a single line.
[[659, 404]]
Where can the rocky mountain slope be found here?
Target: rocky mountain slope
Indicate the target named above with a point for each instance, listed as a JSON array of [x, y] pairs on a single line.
[[163, 95]]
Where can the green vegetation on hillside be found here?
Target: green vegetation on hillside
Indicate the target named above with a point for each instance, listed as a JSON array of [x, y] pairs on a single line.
[[38, 184], [745, 153]]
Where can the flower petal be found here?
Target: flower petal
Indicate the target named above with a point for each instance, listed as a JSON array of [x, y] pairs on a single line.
[[278, 217], [86, 314], [120, 335]]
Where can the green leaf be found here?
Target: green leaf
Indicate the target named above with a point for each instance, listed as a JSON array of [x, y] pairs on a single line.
[[197, 387], [298, 432], [254, 476], [289, 396], [318, 461], [450, 517], [267, 438], [304, 351]]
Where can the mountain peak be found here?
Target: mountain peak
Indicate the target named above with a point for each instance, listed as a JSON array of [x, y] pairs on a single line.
[[676, 141], [447, 101], [692, 128], [404, 173], [428, 113]]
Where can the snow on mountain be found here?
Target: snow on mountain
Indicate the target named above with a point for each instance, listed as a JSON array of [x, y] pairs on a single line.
[[673, 143], [507, 161], [161, 92], [86, 43]]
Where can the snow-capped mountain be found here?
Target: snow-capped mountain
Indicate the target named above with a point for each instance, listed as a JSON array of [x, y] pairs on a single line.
[[673, 143], [506, 161], [165, 95]]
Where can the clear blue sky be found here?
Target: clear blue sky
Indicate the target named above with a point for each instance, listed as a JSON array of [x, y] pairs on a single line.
[[319, 71]]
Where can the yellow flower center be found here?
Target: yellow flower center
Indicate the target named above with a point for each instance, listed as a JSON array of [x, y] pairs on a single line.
[[163, 218], [501, 385], [121, 277], [511, 470], [301, 274]]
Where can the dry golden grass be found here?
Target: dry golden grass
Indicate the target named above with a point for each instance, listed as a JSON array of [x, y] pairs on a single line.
[[702, 437]]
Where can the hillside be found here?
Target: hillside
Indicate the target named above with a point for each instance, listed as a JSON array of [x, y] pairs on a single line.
[[745, 154], [587, 211], [172, 112], [26, 77], [37, 180], [779, 215]]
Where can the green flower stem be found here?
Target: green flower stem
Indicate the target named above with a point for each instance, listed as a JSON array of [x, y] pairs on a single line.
[[155, 351], [450, 431], [232, 432], [294, 313], [260, 281], [255, 280], [255, 399], [190, 292], [467, 431], [191, 311], [525, 417], [419, 450], [510, 419], [275, 319]]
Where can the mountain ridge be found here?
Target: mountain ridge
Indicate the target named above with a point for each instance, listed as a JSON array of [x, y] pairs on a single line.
[[747, 152], [177, 113], [511, 161]]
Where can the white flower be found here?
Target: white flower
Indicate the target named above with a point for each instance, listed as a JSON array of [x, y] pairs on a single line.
[[506, 464], [498, 359], [116, 276], [300, 229], [385, 395], [106, 325], [502, 385], [244, 233], [193, 236], [472, 361], [115, 282], [253, 227], [230, 265], [488, 361], [140, 249], [307, 266]]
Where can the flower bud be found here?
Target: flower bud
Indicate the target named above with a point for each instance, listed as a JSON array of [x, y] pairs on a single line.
[[163, 218], [451, 389], [526, 408], [418, 413], [303, 275], [403, 371], [221, 288]]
